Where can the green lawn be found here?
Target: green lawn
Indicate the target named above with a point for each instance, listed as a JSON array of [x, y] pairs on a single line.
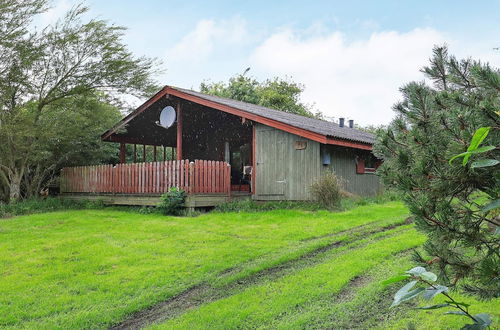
[[277, 269]]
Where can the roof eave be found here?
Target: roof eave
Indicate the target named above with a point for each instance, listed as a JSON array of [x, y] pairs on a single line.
[[167, 90]]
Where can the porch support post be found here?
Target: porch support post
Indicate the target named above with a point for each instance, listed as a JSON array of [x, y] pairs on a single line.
[[179, 131], [122, 153], [135, 153], [144, 153], [154, 153]]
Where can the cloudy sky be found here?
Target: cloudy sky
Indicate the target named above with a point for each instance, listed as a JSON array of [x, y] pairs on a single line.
[[352, 56]]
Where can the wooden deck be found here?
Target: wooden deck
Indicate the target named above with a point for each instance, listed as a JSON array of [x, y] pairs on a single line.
[[207, 183], [192, 201]]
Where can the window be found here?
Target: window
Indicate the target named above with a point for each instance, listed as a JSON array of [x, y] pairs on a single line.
[[367, 163]]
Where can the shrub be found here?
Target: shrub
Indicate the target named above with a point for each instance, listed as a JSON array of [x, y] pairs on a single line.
[[172, 202], [327, 191]]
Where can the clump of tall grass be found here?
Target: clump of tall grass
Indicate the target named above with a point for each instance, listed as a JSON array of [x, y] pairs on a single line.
[[39, 205], [249, 205], [327, 191]]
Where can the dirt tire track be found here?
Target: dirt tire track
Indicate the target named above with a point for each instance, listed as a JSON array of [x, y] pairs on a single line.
[[205, 293]]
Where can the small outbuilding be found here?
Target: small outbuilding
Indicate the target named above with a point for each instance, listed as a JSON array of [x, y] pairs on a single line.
[[217, 149]]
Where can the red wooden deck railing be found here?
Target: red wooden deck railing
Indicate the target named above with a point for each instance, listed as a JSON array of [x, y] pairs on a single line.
[[198, 177]]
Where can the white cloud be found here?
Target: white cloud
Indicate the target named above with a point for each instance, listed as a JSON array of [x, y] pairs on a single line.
[[208, 34], [344, 77], [358, 79], [56, 11]]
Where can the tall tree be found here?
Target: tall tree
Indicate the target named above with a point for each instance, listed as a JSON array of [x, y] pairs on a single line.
[[42, 68], [70, 136], [449, 201], [280, 94]]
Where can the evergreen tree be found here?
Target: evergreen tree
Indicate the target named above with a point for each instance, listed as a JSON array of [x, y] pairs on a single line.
[[454, 204]]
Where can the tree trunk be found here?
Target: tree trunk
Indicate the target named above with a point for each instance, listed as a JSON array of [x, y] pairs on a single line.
[[15, 190], [15, 187]]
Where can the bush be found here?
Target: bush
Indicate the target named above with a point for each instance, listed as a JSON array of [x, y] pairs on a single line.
[[327, 191], [172, 202], [39, 205]]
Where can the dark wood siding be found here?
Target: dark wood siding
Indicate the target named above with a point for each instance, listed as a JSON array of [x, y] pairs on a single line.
[[284, 172], [343, 163], [285, 169]]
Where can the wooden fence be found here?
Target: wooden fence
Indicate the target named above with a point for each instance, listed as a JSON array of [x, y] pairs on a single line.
[[198, 177]]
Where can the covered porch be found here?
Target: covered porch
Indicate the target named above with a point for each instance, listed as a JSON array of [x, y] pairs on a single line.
[[207, 153]]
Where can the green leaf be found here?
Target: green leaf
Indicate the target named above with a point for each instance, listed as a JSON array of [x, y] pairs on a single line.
[[482, 149], [478, 137], [484, 163], [457, 303], [395, 279], [416, 271], [428, 276], [483, 318], [491, 206], [404, 294], [432, 292], [483, 321], [456, 156], [456, 313], [466, 159], [405, 288], [434, 306], [474, 326]]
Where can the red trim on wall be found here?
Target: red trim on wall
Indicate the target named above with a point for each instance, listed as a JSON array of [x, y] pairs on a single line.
[[134, 113], [269, 122], [360, 165], [349, 144]]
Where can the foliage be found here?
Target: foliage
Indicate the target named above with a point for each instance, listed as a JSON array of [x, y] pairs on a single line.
[[347, 203], [49, 204], [383, 197], [474, 149], [172, 202], [45, 72], [428, 290], [68, 135], [327, 191], [249, 205], [433, 124], [277, 93], [373, 129]]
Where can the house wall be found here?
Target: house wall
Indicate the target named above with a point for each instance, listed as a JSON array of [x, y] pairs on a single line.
[[282, 171], [343, 163], [285, 173]]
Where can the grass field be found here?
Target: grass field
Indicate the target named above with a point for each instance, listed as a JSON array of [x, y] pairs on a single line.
[[276, 269]]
